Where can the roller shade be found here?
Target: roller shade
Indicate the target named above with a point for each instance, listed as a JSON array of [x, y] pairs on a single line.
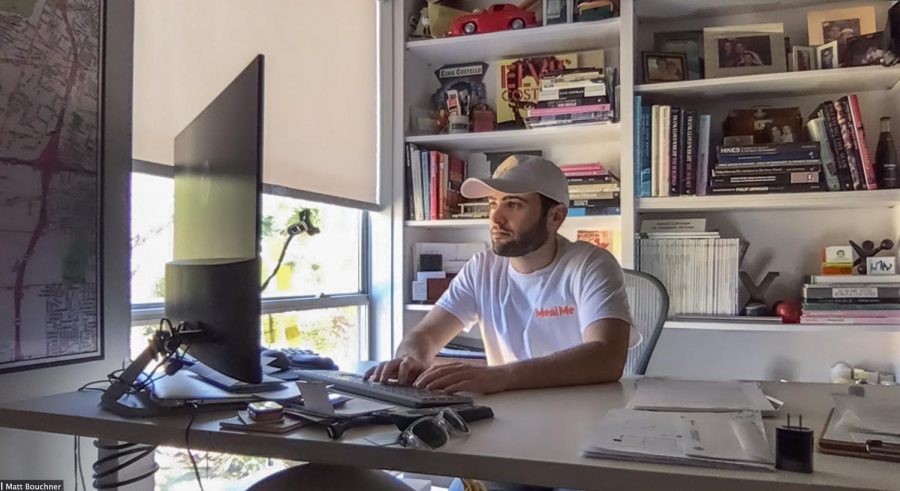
[[320, 110]]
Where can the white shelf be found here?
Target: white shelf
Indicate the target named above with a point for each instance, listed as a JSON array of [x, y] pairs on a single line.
[[524, 139], [884, 198], [669, 10], [608, 220], [768, 327], [841, 80], [579, 36]]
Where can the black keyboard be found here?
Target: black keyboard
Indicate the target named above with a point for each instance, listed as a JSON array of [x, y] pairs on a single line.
[[405, 396]]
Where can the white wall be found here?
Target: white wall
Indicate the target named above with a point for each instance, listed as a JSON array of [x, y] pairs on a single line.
[[28, 455]]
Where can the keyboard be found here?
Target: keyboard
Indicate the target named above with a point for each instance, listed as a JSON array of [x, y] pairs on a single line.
[[405, 396]]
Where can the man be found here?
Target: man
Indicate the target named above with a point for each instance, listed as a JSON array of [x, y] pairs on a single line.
[[551, 312]]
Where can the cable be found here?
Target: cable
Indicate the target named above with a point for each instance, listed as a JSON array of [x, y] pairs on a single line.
[[278, 265], [187, 444], [121, 450]]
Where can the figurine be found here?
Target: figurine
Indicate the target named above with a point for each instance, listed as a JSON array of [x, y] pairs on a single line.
[[756, 306], [867, 250]]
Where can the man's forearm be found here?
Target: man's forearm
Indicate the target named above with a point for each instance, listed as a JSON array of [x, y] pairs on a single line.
[[419, 345], [590, 363]]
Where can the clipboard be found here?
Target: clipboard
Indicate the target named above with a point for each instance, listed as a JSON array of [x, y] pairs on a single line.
[[836, 442]]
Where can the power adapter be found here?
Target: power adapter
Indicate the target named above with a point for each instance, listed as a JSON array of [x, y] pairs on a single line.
[[794, 447]]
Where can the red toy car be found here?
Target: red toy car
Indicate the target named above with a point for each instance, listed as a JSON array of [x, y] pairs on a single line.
[[497, 17]]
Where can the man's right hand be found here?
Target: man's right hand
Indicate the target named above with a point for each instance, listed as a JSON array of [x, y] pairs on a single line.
[[404, 369]]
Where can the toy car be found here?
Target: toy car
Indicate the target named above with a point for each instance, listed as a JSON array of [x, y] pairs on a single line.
[[497, 17]]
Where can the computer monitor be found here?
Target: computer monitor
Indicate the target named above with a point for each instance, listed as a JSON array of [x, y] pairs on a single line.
[[213, 283]]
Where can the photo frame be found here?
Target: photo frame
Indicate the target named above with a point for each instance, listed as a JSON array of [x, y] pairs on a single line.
[[688, 42], [664, 67], [828, 56], [868, 49], [803, 58], [841, 24], [51, 295], [744, 50]]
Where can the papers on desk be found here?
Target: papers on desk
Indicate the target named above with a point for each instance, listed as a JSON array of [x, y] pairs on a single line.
[[870, 415], [655, 394], [732, 440]]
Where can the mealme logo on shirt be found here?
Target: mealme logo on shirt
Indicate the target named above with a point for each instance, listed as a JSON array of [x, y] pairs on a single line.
[[560, 311]]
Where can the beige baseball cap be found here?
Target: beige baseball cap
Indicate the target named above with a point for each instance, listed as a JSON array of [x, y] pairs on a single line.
[[522, 174]]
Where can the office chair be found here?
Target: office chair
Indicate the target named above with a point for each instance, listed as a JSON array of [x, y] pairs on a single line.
[[649, 304]]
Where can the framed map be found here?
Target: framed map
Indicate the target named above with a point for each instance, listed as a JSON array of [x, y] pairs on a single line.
[[50, 182]]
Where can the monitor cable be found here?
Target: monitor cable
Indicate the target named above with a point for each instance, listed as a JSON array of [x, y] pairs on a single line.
[[303, 225]]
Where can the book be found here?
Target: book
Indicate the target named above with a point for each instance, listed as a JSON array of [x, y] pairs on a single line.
[[575, 180], [846, 279], [859, 134], [688, 178], [787, 188], [243, 422], [654, 150], [703, 155], [675, 161], [775, 178], [579, 211], [849, 292], [600, 238], [760, 164], [816, 129], [665, 131], [519, 80], [573, 102], [565, 110], [808, 150], [833, 130], [645, 180], [764, 170], [846, 135]]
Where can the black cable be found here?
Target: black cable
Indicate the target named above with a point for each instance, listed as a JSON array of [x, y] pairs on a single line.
[[120, 451], [187, 444], [278, 265], [78, 462]]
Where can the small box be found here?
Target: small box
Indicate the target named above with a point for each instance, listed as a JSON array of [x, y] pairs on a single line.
[[436, 287], [419, 291], [882, 265], [431, 262], [839, 255]]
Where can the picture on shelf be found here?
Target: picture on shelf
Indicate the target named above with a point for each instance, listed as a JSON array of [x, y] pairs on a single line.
[[688, 42], [827, 56], [803, 58], [840, 25], [664, 67], [867, 49], [744, 50]]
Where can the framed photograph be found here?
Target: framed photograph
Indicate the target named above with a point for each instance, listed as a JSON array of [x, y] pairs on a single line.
[[839, 25], [51, 184], [744, 50], [828, 56], [867, 49], [688, 42], [664, 67], [803, 58]]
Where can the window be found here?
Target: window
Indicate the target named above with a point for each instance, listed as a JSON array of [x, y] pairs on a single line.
[[317, 299]]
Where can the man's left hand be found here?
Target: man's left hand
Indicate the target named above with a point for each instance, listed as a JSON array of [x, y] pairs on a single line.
[[460, 377]]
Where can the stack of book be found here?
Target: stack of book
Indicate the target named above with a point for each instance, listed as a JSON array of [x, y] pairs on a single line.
[[433, 181], [671, 148], [767, 168], [838, 125], [593, 190], [570, 97], [699, 270], [851, 299]]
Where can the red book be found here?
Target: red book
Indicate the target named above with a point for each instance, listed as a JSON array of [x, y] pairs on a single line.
[[860, 135], [434, 184]]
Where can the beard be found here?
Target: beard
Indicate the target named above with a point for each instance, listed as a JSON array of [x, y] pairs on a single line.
[[524, 242]]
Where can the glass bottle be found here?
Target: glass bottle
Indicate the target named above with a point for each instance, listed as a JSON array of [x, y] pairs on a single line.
[[887, 166]]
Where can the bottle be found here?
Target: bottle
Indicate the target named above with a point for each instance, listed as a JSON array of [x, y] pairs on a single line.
[[887, 166]]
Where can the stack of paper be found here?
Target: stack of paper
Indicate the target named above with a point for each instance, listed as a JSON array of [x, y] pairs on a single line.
[[690, 395], [733, 440]]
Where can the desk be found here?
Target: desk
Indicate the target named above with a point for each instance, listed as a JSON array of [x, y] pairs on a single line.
[[535, 438]]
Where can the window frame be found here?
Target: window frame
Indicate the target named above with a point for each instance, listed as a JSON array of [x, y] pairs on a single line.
[[150, 313]]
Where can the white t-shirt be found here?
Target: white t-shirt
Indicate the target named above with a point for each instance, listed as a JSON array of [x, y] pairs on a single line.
[[526, 316]]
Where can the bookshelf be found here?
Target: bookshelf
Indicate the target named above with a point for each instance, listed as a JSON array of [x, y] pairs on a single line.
[[785, 231]]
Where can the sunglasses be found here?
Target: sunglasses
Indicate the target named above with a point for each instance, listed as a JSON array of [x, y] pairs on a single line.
[[432, 432]]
